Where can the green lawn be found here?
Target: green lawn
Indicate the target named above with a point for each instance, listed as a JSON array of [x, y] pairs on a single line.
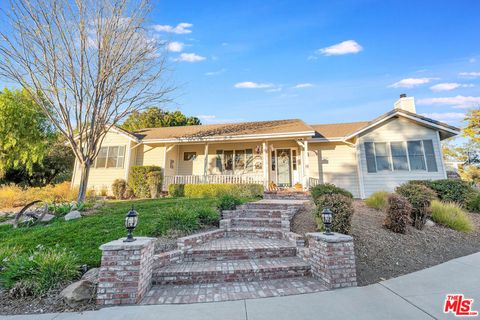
[[85, 235]]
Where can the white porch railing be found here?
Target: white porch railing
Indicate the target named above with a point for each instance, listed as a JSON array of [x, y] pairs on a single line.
[[212, 179], [312, 182]]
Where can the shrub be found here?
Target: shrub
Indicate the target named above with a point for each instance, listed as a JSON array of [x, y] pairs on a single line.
[[176, 190], [377, 200], [328, 188], [342, 208], [227, 201], [119, 186], [137, 180], [129, 192], [419, 197], [38, 271], [154, 181], [398, 213], [207, 216], [452, 190], [214, 190], [103, 191], [451, 215], [14, 196], [180, 218], [473, 202]]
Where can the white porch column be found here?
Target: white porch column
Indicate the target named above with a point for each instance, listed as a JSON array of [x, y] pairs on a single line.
[[306, 165], [265, 164], [205, 163], [126, 160]]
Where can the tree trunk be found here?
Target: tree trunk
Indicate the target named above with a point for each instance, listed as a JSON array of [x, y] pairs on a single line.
[[82, 192]]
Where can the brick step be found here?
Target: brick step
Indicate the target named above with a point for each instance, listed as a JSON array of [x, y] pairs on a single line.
[[225, 291], [257, 222], [255, 232], [273, 204], [231, 270], [279, 195], [253, 213], [240, 248]]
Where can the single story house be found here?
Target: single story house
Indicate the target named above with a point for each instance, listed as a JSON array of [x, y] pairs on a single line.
[[362, 157]]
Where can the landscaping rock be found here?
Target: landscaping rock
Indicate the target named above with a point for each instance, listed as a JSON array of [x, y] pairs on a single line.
[[91, 275], [78, 293], [429, 223], [47, 217], [75, 214]]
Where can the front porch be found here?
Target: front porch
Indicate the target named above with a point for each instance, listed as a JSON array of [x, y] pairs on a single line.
[[280, 163]]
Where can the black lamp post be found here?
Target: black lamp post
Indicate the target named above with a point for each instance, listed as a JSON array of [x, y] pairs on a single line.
[[131, 221], [327, 217]]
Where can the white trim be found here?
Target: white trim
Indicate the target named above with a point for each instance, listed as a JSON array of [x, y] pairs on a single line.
[[232, 138], [126, 161], [266, 167], [396, 114], [333, 139], [442, 161], [129, 136], [361, 183]]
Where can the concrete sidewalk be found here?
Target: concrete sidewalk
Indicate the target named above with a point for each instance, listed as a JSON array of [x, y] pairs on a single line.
[[419, 295]]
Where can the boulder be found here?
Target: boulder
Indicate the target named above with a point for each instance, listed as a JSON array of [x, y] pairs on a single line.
[[429, 223], [91, 275], [47, 217], [75, 214], [78, 293]]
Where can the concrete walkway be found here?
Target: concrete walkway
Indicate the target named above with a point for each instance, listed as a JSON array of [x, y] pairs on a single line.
[[419, 295]]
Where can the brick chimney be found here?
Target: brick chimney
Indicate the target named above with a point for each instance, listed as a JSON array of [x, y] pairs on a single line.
[[405, 103]]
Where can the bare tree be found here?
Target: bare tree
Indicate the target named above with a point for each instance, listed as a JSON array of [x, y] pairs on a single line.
[[87, 63]]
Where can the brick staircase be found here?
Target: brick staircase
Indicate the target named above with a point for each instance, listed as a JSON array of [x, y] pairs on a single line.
[[253, 249]]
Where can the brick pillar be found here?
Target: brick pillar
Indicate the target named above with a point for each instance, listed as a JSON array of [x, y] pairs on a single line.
[[126, 271], [332, 259]]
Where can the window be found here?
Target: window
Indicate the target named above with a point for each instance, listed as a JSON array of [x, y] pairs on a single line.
[[239, 159], [370, 154], [189, 156], [228, 160], [430, 156], [111, 157], [273, 160], [416, 155], [413, 155], [249, 160], [399, 156], [294, 159], [219, 160], [382, 157]]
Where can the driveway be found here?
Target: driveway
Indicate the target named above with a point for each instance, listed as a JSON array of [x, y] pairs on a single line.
[[419, 295]]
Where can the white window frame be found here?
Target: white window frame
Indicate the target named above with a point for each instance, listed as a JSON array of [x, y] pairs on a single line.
[[389, 151], [234, 154], [116, 161]]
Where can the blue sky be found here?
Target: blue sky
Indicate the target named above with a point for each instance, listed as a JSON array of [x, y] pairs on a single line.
[[321, 61]]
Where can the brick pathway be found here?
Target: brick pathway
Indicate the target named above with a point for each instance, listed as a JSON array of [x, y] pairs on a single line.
[[254, 257]]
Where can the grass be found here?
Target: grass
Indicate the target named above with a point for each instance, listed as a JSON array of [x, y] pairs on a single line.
[[452, 216], [84, 236], [377, 200]]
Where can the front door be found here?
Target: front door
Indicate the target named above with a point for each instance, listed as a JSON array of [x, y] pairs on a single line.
[[284, 173]]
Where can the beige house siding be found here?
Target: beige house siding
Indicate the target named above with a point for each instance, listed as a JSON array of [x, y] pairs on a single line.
[[334, 163], [398, 129], [102, 178]]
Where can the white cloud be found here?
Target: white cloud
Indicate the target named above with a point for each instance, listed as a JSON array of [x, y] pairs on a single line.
[[458, 102], [212, 119], [470, 74], [190, 57], [252, 85], [303, 85], [175, 46], [344, 47], [445, 116], [410, 82], [447, 86], [181, 28], [274, 89], [215, 73]]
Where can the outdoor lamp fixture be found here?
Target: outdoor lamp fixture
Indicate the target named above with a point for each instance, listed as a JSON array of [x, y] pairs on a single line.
[[327, 217], [131, 221]]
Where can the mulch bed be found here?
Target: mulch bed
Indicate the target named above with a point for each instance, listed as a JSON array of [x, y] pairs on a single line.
[[382, 254]]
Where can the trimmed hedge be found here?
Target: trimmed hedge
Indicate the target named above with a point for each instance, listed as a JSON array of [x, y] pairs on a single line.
[[138, 180], [328, 188], [176, 190], [398, 213], [154, 181], [419, 197], [342, 208], [215, 190], [119, 187], [450, 190]]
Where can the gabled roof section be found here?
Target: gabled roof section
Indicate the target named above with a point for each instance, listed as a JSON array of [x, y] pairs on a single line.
[[335, 131], [276, 128], [446, 130]]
